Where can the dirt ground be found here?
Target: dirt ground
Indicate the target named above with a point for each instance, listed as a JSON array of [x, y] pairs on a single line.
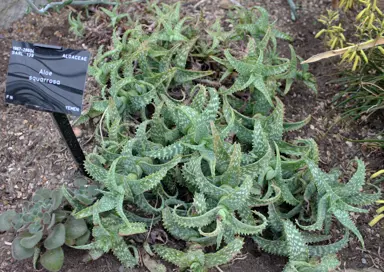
[[32, 154]]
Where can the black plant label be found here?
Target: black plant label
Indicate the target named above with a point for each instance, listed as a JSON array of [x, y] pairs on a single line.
[[47, 78]]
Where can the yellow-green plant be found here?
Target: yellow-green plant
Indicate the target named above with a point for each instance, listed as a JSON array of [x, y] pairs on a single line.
[[379, 211], [369, 27], [334, 34], [347, 4], [363, 94]]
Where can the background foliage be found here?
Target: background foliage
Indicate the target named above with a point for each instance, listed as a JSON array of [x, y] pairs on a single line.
[[363, 94]]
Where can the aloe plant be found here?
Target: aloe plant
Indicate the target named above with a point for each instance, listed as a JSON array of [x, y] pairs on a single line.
[[202, 151], [196, 259], [302, 255], [191, 136], [76, 26]]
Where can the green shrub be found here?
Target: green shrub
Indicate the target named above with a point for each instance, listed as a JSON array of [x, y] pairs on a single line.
[[190, 136], [204, 161]]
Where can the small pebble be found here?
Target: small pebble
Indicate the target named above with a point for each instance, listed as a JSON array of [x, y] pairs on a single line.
[[19, 194], [364, 261], [348, 144], [78, 132]]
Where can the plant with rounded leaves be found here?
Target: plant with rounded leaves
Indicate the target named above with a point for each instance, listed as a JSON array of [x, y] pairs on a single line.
[[42, 228]]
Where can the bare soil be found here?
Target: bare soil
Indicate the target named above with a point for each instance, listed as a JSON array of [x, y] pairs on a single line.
[[32, 155]]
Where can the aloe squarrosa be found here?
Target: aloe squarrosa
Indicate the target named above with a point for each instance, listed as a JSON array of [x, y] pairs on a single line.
[[190, 138]]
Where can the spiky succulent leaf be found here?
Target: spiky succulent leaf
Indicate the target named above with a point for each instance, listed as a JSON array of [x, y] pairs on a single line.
[[123, 253], [225, 254], [179, 258], [324, 250], [296, 246]]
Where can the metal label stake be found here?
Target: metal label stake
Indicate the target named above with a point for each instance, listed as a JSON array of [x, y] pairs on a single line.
[[66, 131]]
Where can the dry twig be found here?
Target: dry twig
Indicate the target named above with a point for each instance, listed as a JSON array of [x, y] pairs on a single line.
[[338, 52], [62, 3]]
